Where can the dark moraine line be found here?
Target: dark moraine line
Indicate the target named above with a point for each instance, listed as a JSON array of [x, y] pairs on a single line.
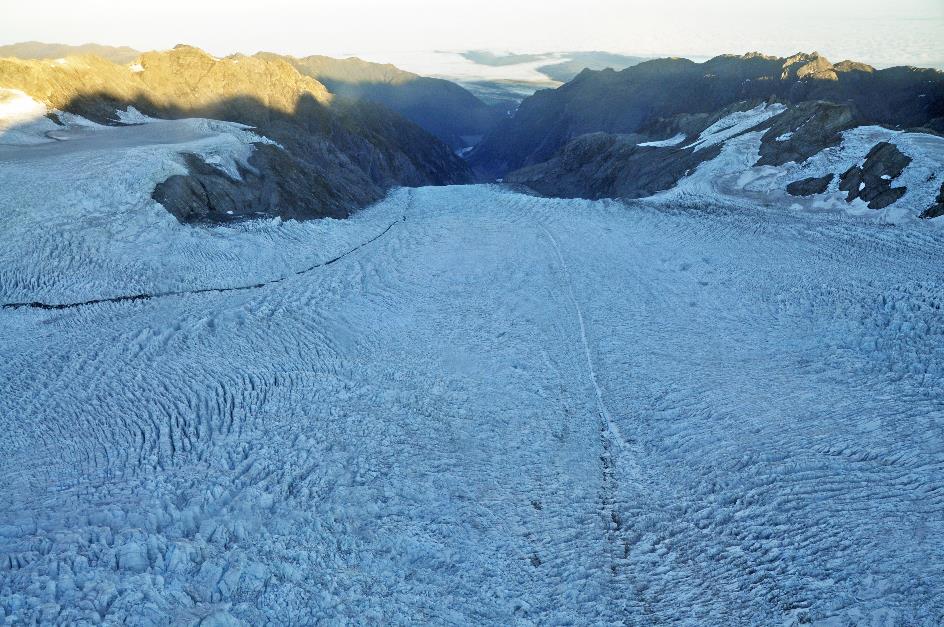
[[205, 290]]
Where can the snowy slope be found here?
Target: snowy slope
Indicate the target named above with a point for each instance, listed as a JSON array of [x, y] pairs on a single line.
[[732, 176], [79, 223], [500, 409], [735, 124]]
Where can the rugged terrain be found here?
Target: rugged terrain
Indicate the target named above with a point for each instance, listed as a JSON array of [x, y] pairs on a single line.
[[645, 95], [443, 108], [327, 156], [768, 153], [649, 128]]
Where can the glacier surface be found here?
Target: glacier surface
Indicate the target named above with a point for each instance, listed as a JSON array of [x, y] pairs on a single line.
[[463, 405]]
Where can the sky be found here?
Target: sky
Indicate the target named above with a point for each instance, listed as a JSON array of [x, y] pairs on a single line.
[[875, 31]]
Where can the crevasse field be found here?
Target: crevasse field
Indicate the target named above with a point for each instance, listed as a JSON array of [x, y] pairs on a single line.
[[463, 405]]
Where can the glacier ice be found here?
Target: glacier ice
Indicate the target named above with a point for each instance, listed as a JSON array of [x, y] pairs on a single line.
[[462, 405], [414, 432]]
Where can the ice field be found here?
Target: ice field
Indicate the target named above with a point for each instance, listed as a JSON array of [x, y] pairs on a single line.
[[505, 409], [462, 405]]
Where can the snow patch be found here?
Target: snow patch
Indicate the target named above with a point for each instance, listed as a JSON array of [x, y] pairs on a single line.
[[734, 124], [672, 141], [132, 116], [23, 120]]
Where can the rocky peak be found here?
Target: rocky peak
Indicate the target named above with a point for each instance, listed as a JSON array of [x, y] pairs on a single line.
[[808, 65], [853, 66], [758, 55]]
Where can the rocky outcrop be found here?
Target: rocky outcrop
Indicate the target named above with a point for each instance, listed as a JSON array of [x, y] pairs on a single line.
[[631, 100], [604, 165], [443, 108], [336, 154], [802, 66], [634, 165], [937, 209], [804, 130], [872, 181], [207, 194], [810, 186]]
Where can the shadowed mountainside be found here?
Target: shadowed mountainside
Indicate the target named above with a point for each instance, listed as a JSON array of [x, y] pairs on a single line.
[[335, 154], [642, 96], [443, 108]]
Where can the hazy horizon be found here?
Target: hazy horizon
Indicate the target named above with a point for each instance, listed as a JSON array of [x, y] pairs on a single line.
[[912, 33]]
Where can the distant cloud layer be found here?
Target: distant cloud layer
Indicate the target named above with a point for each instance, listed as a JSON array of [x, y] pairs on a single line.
[[879, 32]]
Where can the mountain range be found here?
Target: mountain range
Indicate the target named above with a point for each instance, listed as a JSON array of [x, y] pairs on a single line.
[[635, 132], [443, 108], [348, 130]]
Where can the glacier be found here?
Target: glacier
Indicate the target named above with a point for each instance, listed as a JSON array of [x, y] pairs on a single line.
[[462, 405]]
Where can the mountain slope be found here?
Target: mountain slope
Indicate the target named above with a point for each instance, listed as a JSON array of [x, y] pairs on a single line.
[[768, 153], [632, 99], [330, 155], [443, 108]]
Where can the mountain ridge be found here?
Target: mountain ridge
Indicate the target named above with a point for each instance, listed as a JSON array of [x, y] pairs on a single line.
[[43, 50], [444, 108], [626, 101], [335, 154]]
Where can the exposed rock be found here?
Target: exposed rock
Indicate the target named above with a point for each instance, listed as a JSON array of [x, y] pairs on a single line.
[[607, 165], [602, 165], [338, 154], [804, 130], [814, 66], [871, 181], [937, 209], [810, 186], [853, 66], [630, 100], [271, 186]]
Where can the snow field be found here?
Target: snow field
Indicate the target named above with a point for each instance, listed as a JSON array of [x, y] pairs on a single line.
[[413, 433]]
